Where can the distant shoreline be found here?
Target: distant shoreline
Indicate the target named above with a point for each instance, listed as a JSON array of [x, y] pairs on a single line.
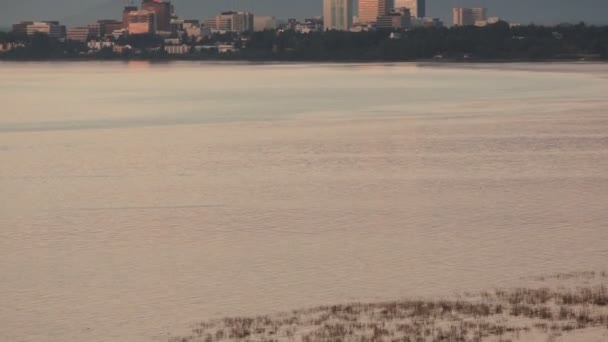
[[471, 61], [495, 43]]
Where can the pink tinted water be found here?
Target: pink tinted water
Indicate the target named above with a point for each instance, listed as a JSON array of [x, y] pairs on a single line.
[[137, 199]]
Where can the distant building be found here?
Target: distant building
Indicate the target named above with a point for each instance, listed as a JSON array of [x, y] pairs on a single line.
[[432, 22], [125, 15], [141, 22], [107, 26], [177, 49], [117, 34], [417, 7], [121, 49], [177, 25], [264, 23], [395, 20], [370, 10], [242, 22], [337, 15], [51, 28], [232, 22], [162, 11], [469, 16], [104, 27], [94, 30], [21, 28], [226, 48], [98, 45], [310, 25], [357, 27], [192, 28], [489, 21], [291, 24], [78, 34], [219, 48], [211, 24]]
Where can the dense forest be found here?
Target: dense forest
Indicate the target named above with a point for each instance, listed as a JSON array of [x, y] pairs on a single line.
[[493, 42]]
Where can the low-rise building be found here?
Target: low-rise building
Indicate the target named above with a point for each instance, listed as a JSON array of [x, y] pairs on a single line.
[[312, 25], [116, 34], [21, 28], [231, 22], [426, 22], [78, 34], [107, 26], [226, 48], [264, 23], [393, 20], [489, 21], [177, 49], [469, 16], [120, 49], [95, 30], [361, 27], [96, 45], [51, 28], [220, 48], [194, 31]]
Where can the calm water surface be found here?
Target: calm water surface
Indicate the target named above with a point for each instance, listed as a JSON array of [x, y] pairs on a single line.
[[136, 199]]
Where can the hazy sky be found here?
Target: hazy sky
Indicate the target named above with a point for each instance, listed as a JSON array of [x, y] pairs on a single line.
[[75, 12]]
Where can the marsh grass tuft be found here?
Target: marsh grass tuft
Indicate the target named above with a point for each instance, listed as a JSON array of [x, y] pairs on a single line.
[[500, 315]]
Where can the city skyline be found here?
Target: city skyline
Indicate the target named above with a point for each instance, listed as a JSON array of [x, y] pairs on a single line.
[[74, 12]]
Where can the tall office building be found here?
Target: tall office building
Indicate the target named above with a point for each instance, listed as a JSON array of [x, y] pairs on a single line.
[[141, 22], [162, 11], [370, 10], [469, 16], [416, 7], [337, 15], [125, 15]]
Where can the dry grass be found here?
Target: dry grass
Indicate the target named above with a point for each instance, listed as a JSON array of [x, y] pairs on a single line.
[[501, 315]]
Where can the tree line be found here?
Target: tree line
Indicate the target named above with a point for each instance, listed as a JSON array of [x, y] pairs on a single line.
[[493, 42]]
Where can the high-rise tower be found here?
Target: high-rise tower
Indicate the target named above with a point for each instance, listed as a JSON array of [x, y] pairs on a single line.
[[125, 15], [162, 11], [370, 10], [337, 14]]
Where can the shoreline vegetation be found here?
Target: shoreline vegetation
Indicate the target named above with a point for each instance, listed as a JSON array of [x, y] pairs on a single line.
[[571, 307], [493, 43]]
